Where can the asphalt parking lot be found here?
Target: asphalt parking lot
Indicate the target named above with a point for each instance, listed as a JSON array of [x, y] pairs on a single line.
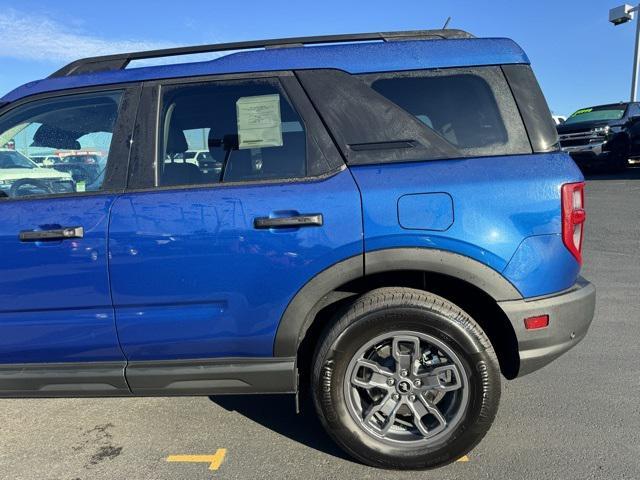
[[578, 418]]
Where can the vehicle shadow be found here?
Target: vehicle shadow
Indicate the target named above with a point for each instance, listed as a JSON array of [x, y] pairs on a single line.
[[631, 173], [277, 413]]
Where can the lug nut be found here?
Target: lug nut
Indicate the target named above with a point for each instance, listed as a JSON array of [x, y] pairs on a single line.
[[391, 382], [395, 396], [417, 382], [412, 398], [403, 373]]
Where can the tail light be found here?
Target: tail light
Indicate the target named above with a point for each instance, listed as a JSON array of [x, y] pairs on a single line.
[[534, 323], [573, 217]]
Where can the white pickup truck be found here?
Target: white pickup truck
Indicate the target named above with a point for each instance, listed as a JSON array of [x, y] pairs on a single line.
[[21, 176]]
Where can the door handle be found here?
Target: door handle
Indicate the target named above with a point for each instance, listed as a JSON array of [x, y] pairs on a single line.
[[311, 220], [55, 234]]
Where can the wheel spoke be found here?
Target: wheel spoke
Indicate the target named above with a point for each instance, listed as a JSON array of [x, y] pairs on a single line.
[[434, 411], [419, 410], [433, 380], [379, 375], [406, 361], [391, 418], [387, 403]]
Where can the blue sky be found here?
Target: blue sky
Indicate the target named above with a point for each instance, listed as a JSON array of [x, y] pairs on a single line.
[[579, 58]]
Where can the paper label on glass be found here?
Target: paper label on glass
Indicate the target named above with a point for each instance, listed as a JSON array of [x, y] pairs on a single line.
[[259, 121]]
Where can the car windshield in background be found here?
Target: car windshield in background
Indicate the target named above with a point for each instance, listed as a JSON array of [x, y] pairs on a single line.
[[15, 160], [597, 114]]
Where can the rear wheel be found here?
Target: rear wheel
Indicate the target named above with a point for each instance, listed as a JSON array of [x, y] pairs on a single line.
[[405, 379]]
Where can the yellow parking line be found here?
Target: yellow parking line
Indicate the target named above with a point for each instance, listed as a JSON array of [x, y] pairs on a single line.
[[214, 460], [463, 459]]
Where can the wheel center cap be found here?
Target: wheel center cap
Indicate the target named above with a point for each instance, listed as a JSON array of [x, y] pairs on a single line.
[[404, 387]]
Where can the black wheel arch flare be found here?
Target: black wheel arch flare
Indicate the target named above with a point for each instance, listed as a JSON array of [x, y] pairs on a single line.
[[316, 293]]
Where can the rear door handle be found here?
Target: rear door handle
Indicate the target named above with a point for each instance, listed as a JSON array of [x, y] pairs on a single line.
[[56, 234], [310, 220]]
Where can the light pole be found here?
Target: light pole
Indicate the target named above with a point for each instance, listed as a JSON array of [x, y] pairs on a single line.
[[618, 16]]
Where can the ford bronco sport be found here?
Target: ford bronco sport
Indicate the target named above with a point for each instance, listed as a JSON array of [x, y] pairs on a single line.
[[393, 230]]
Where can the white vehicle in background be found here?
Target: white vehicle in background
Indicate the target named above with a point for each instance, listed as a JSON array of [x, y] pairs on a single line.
[[203, 160], [21, 176], [45, 160], [559, 119]]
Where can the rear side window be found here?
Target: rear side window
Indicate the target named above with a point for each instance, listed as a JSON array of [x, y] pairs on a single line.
[[57, 146], [419, 115], [472, 109], [230, 131]]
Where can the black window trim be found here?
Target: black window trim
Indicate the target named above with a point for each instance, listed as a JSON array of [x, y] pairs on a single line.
[[149, 119], [533, 107], [120, 147]]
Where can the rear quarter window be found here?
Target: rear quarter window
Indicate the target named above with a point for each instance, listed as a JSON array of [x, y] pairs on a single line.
[[418, 115], [472, 109]]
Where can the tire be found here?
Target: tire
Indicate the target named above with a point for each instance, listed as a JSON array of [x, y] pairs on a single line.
[[388, 333]]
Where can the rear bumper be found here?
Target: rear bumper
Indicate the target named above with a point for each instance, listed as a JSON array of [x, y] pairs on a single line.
[[570, 315]]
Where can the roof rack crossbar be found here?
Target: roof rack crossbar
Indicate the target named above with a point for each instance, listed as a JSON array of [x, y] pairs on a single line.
[[120, 61]]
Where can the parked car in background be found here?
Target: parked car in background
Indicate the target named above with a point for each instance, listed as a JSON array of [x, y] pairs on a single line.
[[85, 166], [604, 136], [393, 231], [45, 160], [205, 161], [19, 176]]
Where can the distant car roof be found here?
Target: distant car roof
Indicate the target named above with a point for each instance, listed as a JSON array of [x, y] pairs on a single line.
[[359, 57]]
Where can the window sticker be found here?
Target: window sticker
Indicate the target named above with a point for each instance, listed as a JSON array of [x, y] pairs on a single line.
[[582, 112], [259, 121]]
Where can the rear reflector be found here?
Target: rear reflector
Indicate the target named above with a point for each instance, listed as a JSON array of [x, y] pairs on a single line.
[[573, 218], [533, 323]]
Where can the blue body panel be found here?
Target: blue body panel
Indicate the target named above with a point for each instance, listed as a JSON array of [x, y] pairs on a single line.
[[182, 273], [542, 265], [498, 202], [426, 211], [193, 278], [353, 58], [55, 303]]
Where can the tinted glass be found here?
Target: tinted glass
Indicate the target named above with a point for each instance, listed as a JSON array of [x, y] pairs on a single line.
[[12, 159], [230, 131], [69, 138], [533, 107], [472, 109]]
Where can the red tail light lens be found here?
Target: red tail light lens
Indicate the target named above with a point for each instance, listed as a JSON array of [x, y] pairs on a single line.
[[573, 218], [534, 323]]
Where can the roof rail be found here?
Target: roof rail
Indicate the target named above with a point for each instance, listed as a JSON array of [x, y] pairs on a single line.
[[120, 61]]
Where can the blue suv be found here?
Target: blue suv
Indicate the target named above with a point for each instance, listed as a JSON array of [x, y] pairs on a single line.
[[391, 228]]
